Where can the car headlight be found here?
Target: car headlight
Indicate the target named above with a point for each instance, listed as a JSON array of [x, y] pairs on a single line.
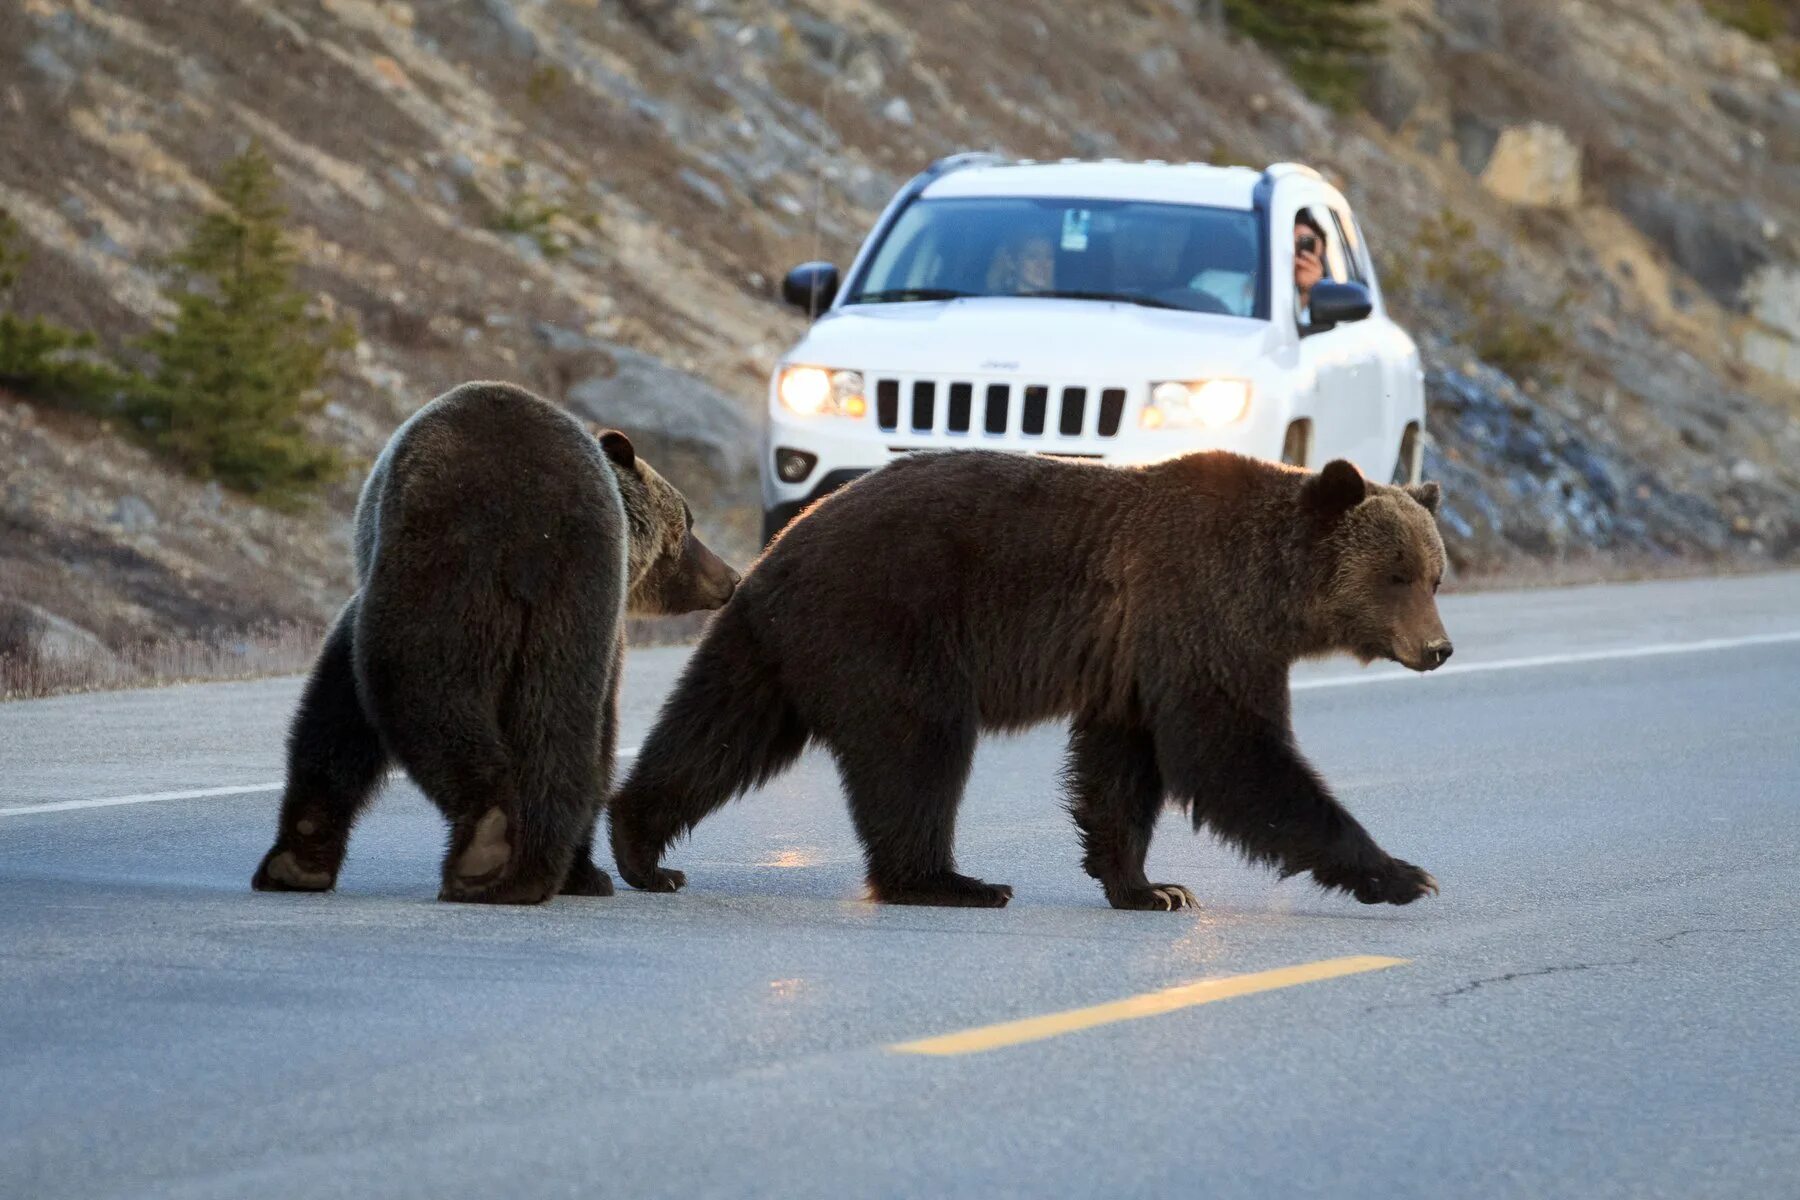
[[1204, 404], [816, 391]]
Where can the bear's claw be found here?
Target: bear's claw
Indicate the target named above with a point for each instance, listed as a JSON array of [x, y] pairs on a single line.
[[661, 879], [1154, 897]]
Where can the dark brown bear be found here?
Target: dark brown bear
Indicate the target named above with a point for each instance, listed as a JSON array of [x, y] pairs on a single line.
[[498, 547], [1158, 608]]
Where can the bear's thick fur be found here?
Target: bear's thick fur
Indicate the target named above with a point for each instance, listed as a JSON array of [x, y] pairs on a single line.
[[498, 547], [1158, 608]]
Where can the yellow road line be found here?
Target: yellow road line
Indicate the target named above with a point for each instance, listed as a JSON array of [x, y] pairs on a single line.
[[1133, 1008]]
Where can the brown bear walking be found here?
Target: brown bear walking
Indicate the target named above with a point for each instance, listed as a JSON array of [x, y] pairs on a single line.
[[1159, 608], [498, 546]]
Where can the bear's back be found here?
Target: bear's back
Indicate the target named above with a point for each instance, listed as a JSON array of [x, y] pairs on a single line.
[[481, 473]]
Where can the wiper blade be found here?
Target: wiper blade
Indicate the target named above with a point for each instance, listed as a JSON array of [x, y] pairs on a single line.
[[1121, 297], [893, 294]]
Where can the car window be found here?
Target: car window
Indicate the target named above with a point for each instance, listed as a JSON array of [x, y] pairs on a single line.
[[1182, 256], [1334, 243], [1347, 239]]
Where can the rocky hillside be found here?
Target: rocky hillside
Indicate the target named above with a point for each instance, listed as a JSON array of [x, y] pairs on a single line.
[[1589, 211]]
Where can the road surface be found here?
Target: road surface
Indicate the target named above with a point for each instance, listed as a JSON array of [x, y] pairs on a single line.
[[1603, 1002]]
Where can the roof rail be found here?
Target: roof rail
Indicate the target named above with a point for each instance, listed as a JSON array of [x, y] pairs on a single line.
[[1280, 169], [968, 158]]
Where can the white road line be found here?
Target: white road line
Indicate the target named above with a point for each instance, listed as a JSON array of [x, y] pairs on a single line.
[[1557, 660], [1656, 650], [146, 798], [243, 789]]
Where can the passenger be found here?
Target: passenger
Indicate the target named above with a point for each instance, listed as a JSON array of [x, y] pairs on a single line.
[[1309, 261]]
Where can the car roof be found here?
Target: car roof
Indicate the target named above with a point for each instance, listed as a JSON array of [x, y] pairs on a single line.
[[1169, 183]]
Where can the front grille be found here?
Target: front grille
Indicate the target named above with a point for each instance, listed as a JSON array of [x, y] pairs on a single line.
[[954, 408]]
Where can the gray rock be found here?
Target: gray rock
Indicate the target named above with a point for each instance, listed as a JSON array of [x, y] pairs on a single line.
[[1475, 141], [683, 424], [703, 187], [133, 514], [898, 111], [26, 630], [515, 37], [1709, 240], [48, 63], [1158, 62]]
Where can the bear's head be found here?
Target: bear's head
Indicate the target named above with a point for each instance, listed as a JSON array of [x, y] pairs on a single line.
[[671, 570], [1382, 562]]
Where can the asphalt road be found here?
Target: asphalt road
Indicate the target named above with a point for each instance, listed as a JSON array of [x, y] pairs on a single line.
[[1603, 1002]]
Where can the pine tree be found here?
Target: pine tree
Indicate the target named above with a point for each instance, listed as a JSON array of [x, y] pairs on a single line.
[[239, 369], [1326, 45], [41, 359]]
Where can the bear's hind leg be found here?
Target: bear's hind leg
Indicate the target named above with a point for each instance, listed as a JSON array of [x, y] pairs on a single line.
[[1115, 794], [521, 848], [584, 877], [335, 763], [903, 799]]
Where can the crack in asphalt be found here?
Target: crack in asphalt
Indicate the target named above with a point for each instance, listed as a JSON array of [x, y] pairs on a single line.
[[1510, 976], [1667, 939]]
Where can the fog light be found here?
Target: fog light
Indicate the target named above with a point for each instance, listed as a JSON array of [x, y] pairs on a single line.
[[794, 465]]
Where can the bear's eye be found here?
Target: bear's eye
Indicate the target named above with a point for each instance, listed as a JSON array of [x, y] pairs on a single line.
[[1397, 580], [1434, 584]]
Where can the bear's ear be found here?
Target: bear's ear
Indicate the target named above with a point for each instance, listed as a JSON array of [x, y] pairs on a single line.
[[618, 448], [1336, 490], [1427, 494]]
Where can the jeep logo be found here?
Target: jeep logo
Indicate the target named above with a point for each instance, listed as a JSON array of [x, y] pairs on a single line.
[[998, 364]]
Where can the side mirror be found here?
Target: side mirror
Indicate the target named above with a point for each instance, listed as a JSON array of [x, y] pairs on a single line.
[[1333, 302], [811, 287]]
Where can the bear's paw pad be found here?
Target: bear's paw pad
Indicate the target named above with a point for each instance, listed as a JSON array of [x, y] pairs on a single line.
[[281, 871], [487, 851]]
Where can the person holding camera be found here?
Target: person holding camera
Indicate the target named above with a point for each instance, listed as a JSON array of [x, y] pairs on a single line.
[[1309, 260]]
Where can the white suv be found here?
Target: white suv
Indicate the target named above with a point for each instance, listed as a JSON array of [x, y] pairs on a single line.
[[1120, 311]]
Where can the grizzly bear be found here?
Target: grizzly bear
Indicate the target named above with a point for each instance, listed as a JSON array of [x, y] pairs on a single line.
[[499, 545], [1158, 608]]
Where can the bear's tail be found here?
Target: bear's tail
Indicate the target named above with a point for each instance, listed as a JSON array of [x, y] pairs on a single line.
[[729, 726]]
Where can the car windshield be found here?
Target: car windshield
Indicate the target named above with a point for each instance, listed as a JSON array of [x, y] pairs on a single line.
[[1181, 256]]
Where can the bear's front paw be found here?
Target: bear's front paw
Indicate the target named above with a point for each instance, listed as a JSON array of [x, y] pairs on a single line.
[[656, 879], [1394, 881], [1152, 897]]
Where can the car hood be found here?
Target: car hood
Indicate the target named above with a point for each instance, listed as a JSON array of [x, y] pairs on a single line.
[[1062, 339]]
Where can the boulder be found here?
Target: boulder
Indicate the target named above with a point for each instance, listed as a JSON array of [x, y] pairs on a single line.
[[1534, 165], [688, 429]]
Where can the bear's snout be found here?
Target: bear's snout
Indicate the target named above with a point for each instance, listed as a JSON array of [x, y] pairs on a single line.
[[714, 579], [1437, 654]]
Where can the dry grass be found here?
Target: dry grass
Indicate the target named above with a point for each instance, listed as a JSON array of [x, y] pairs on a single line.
[[31, 673], [286, 649]]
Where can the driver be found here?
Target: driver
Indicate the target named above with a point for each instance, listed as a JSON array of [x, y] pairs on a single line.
[[1028, 264]]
